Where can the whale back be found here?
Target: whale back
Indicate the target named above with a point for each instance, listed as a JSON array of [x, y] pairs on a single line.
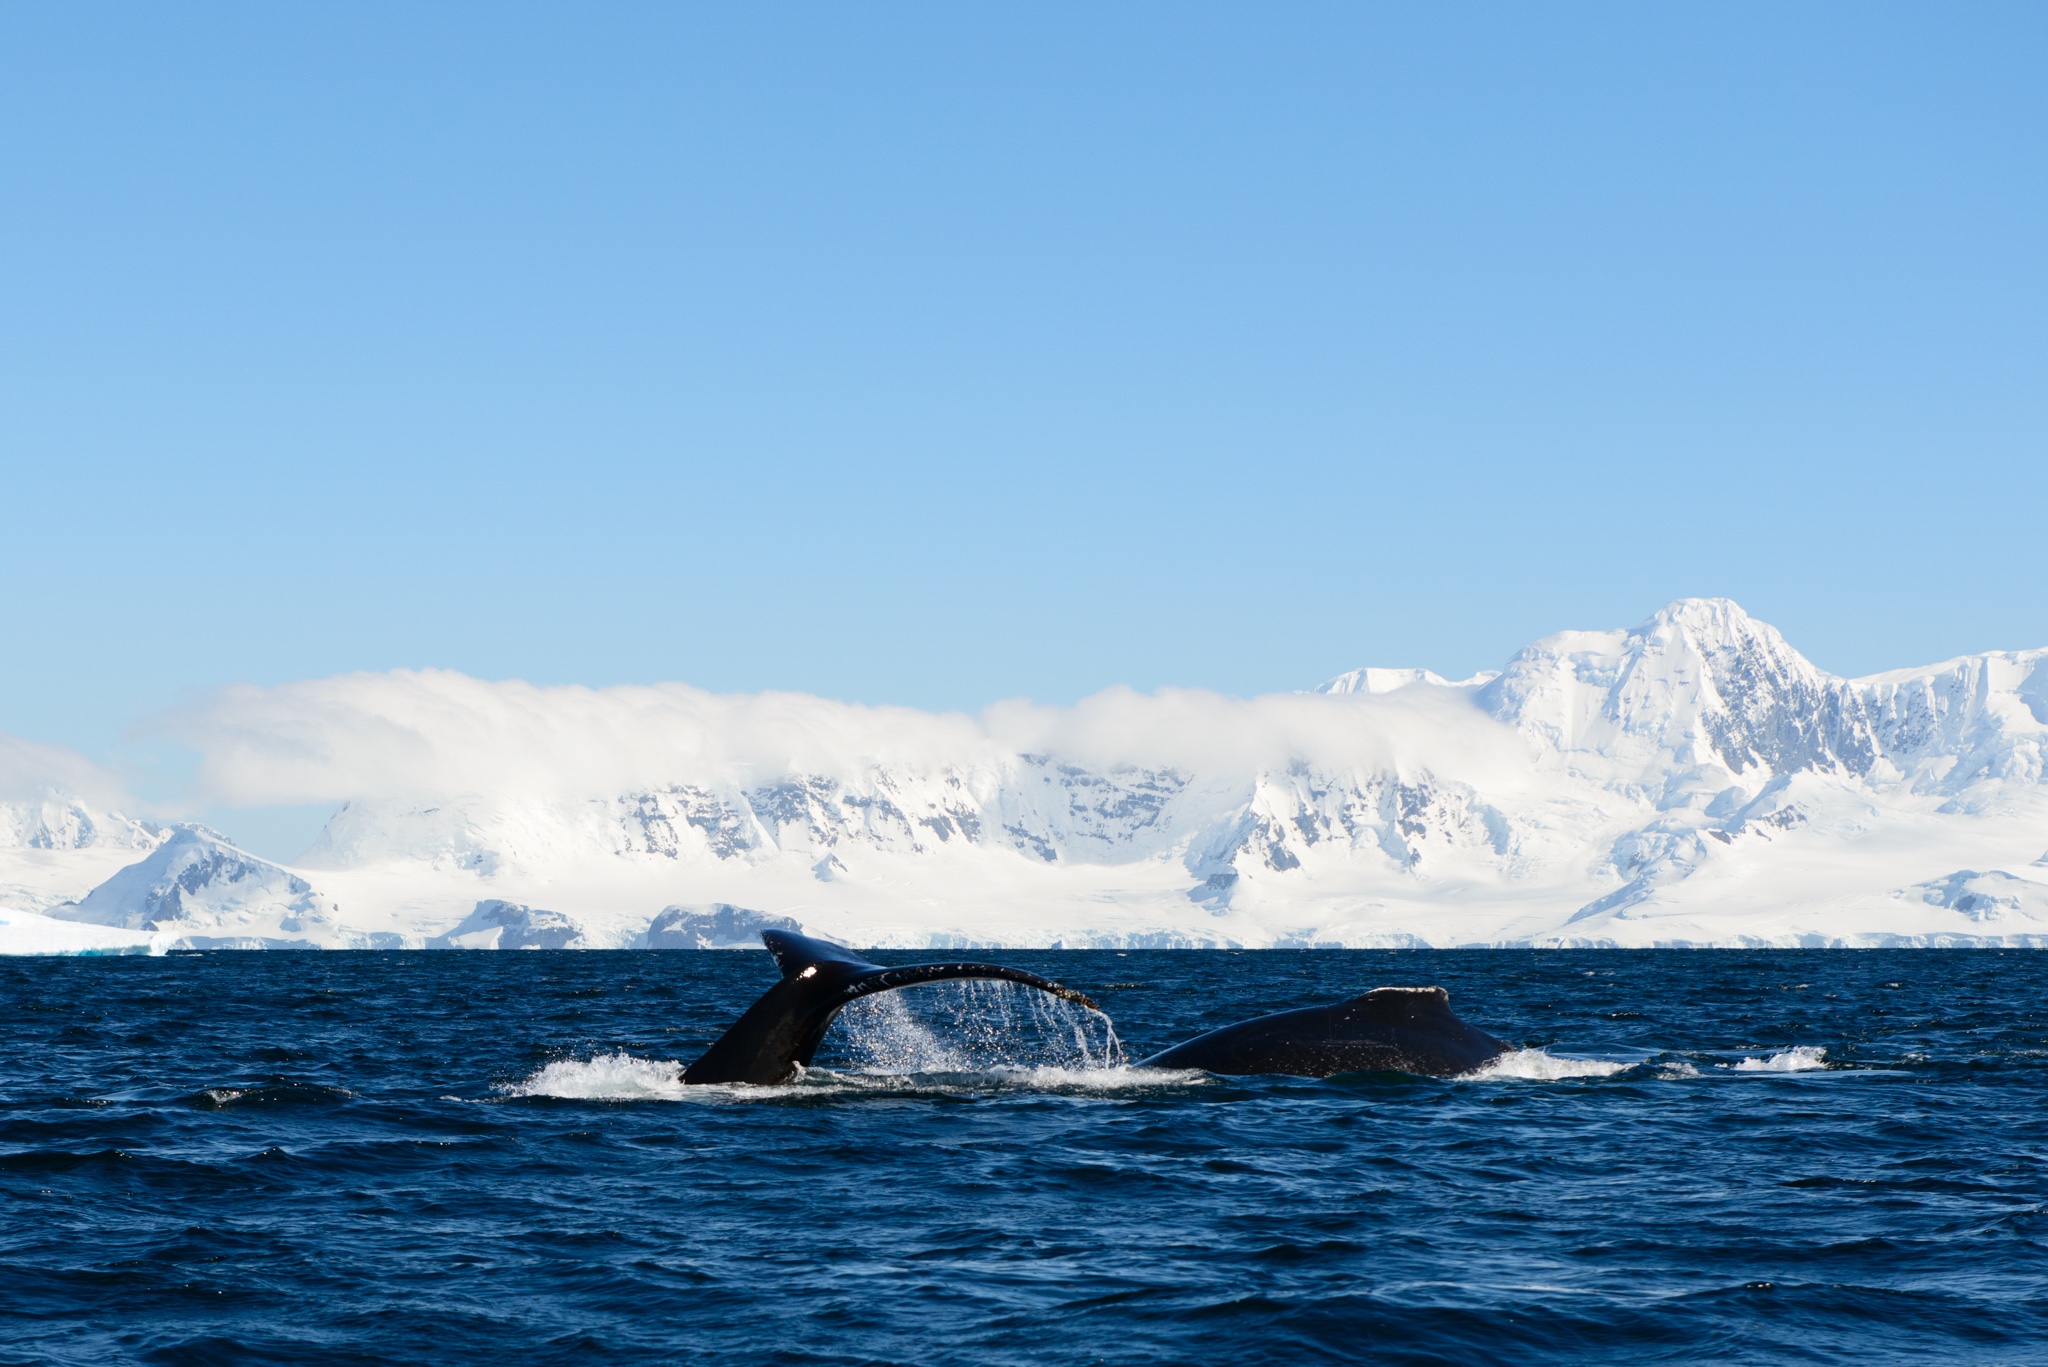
[[1386, 1030]]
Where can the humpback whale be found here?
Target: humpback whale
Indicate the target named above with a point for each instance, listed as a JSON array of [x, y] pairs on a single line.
[[1386, 1030], [783, 1029]]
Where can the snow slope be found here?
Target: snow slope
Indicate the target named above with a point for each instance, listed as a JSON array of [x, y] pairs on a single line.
[[1691, 780], [197, 891], [57, 847]]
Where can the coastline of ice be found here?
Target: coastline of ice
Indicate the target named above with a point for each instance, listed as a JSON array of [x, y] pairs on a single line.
[[25, 932]]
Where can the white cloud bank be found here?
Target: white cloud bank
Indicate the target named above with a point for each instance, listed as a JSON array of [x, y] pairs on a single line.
[[422, 734], [31, 771]]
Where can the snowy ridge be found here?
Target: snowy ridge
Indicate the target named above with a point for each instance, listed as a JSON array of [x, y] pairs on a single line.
[[197, 891], [1692, 780], [57, 847], [1372, 680], [498, 924]]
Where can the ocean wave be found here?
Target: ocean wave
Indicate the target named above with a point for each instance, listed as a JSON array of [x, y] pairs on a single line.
[[282, 1092]]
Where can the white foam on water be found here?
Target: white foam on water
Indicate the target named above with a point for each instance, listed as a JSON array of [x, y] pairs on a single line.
[[1536, 1065], [1001, 1080], [1802, 1058], [622, 1077], [607, 1077]]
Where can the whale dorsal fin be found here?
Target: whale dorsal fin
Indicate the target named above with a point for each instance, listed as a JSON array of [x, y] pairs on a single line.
[[795, 953], [1401, 1003], [1407, 994]]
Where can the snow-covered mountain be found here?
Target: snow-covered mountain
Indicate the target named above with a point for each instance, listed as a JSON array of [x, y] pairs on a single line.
[[1691, 780], [57, 847], [210, 895]]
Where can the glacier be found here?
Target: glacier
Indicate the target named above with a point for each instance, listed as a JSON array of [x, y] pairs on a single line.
[[1690, 781]]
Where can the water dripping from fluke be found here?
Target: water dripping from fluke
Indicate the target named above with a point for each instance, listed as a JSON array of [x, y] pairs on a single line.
[[778, 1036], [973, 1026]]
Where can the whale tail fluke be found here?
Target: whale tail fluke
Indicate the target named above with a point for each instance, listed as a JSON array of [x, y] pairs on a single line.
[[794, 953], [782, 1031]]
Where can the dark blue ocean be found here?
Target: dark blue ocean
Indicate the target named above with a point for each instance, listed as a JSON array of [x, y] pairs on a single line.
[[1827, 1156]]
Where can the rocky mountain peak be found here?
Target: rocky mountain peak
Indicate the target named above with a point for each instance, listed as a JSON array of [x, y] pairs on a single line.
[[1701, 683]]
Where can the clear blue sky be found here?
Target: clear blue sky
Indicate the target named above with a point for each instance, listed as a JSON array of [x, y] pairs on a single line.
[[941, 354]]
